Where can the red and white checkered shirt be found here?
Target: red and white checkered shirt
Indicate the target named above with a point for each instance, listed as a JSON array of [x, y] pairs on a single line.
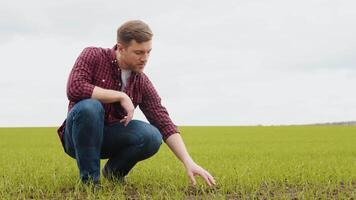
[[99, 67]]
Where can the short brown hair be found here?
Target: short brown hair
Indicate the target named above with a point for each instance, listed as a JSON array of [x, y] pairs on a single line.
[[134, 30]]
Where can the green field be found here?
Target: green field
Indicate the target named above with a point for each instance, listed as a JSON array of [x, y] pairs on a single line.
[[291, 162]]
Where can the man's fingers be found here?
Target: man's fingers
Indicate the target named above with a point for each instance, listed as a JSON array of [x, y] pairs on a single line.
[[210, 177], [127, 122], [123, 120], [192, 179], [128, 119], [205, 178]]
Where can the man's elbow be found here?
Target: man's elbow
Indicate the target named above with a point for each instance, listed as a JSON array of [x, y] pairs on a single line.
[[74, 94], [77, 92]]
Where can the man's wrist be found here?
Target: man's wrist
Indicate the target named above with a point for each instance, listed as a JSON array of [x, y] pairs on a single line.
[[188, 161]]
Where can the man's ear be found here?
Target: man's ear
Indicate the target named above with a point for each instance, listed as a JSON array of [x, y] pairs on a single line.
[[120, 47]]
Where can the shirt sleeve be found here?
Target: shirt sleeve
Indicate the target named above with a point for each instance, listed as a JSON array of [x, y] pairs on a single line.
[[155, 113], [79, 85]]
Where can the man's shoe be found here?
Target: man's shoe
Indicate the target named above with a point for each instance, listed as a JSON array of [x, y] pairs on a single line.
[[89, 182], [92, 185], [113, 178]]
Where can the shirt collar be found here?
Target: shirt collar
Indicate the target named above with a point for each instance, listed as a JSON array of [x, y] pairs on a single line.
[[113, 55]]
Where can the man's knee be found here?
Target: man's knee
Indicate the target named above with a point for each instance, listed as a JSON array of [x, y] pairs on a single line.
[[154, 140], [150, 136], [90, 108], [156, 137]]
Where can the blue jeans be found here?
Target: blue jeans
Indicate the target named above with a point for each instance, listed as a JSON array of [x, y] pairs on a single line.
[[88, 140]]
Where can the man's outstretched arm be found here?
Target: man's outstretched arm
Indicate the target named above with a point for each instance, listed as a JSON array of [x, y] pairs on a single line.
[[176, 144], [157, 115]]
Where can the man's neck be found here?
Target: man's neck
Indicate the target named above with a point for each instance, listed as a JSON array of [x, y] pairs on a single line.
[[122, 65]]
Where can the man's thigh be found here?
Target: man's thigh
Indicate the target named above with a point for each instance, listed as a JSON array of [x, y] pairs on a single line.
[[68, 137], [117, 136]]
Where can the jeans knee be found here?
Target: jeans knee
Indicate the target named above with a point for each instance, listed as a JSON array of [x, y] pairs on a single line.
[[157, 136], [91, 109], [155, 140], [148, 137]]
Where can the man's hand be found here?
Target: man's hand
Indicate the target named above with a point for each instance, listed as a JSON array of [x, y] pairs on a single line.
[[127, 104], [111, 96], [176, 144], [194, 169]]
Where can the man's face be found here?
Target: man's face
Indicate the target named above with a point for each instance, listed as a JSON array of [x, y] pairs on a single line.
[[135, 55]]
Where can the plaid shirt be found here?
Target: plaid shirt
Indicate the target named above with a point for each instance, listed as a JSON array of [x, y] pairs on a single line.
[[99, 67]]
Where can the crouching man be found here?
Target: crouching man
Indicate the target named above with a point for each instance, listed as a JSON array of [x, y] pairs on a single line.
[[104, 88]]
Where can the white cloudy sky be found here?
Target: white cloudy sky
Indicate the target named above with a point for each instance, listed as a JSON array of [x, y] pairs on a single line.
[[222, 62]]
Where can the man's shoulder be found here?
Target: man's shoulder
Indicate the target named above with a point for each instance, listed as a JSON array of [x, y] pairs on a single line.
[[96, 57], [97, 51], [143, 77]]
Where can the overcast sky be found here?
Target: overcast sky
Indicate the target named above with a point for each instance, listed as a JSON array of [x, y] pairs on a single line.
[[221, 62]]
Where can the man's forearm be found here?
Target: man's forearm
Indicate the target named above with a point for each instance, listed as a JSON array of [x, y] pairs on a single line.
[[176, 144], [105, 95]]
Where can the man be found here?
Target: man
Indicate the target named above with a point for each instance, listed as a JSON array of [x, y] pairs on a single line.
[[104, 88]]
